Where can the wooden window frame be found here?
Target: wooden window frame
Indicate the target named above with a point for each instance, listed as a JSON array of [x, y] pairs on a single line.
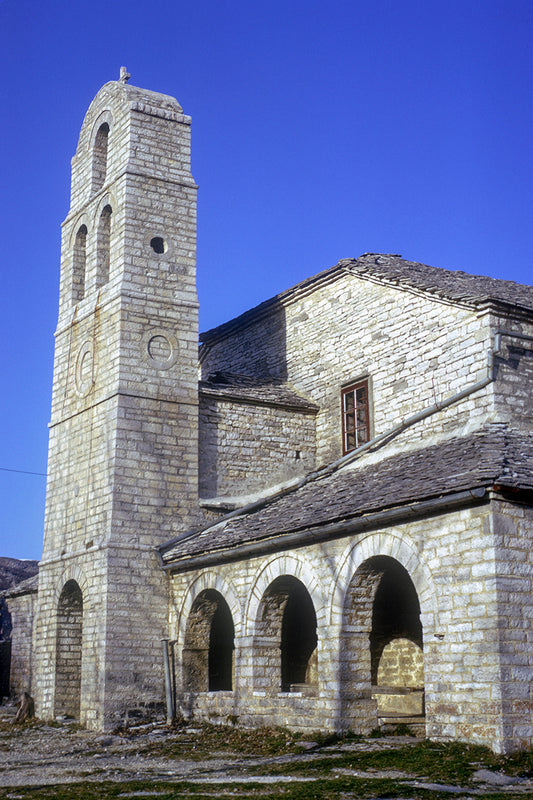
[[355, 412]]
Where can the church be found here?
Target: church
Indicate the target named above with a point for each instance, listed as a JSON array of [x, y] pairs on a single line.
[[322, 518]]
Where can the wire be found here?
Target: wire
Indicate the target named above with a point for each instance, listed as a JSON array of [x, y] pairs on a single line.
[[23, 471]]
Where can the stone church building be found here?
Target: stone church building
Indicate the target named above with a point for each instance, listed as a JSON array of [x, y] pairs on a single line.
[[322, 520]]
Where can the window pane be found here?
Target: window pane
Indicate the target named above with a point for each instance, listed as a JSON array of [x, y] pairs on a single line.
[[355, 417], [361, 416], [362, 436]]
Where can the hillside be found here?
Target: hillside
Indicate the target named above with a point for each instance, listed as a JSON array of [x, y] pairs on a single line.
[[13, 571]]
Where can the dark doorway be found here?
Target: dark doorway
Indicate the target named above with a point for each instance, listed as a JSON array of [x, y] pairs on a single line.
[[69, 651], [209, 645]]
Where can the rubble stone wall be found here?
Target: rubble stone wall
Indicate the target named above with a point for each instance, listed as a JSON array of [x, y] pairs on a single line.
[[245, 447], [22, 609], [414, 350]]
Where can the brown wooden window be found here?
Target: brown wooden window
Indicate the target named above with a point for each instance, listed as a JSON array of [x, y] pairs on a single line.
[[355, 416]]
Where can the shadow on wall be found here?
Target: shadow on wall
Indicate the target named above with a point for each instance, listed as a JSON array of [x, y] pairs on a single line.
[[256, 348], [381, 646], [239, 370]]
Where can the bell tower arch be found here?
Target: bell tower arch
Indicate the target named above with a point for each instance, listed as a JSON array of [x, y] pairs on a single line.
[[122, 468]]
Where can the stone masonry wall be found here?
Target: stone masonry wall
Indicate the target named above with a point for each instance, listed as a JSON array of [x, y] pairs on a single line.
[[123, 472], [414, 350], [452, 560], [22, 608], [513, 533], [401, 664], [244, 447], [514, 396]]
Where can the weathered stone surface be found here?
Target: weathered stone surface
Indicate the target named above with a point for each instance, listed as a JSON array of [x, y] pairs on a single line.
[[400, 575], [123, 440]]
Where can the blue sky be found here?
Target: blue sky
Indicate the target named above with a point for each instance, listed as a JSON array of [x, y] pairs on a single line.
[[321, 130]]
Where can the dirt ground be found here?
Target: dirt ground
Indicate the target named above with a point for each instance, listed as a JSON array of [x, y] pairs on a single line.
[[223, 763]]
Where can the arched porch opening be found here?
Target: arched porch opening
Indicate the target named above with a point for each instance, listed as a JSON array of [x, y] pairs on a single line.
[[69, 651], [381, 666], [209, 645], [285, 642]]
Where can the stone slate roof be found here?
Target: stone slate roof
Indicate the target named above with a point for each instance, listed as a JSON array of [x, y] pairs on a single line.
[[455, 286], [242, 388], [492, 457]]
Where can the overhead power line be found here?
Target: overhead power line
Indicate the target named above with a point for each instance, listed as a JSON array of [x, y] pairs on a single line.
[[23, 471]]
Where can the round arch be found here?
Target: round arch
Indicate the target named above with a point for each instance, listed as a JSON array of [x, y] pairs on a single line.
[[399, 547], [208, 579], [72, 574], [295, 566], [381, 588], [104, 118], [285, 653], [108, 199], [81, 219], [68, 650], [208, 652]]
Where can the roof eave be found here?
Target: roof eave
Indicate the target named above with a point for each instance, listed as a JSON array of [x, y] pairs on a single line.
[[475, 496]]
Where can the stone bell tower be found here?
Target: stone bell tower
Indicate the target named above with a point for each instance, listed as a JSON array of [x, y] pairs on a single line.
[[122, 469]]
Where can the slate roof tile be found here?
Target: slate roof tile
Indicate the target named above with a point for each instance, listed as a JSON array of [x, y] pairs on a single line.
[[492, 456], [244, 388], [452, 284]]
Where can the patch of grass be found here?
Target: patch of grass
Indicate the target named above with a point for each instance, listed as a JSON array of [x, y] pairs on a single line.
[[333, 789], [357, 789], [403, 730], [449, 763], [221, 739], [228, 739], [519, 764]]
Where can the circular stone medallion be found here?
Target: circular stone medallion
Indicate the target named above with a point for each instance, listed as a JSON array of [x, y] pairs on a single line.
[[159, 348], [84, 371]]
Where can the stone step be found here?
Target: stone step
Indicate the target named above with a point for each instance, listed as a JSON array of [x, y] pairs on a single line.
[[417, 724]]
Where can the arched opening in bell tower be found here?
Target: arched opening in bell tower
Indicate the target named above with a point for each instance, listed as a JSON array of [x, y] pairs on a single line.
[[79, 263], [69, 651], [100, 157], [103, 238]]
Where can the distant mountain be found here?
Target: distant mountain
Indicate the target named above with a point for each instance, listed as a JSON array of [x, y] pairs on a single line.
[[13, 571]]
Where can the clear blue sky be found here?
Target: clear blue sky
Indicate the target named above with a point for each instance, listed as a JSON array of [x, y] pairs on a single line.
[[321, 130]]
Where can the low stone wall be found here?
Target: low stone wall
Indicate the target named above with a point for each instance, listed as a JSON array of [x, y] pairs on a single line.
[[22, 609]]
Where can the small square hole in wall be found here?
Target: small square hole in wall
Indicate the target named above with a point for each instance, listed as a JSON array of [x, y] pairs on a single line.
[[158, 244]]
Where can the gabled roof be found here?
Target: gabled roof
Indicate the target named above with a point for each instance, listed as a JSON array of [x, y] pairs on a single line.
[[244, 389], [490, 458], [393, 270], [453, 285]]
